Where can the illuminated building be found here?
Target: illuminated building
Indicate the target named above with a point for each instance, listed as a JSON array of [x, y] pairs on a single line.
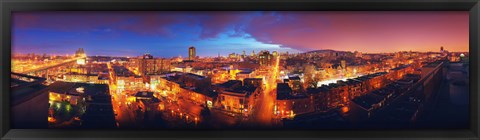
[[236, 98], [87, 78], [147, 100], [81, 61], [191, 53], [90, 73], [189, 86], [125, 79], [295, 83], [253, 82], [244, 74], [232, 56], [95, 98], [288, 104], [147, 65], [265, 58]]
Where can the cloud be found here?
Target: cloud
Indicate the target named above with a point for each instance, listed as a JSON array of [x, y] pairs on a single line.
[[145, 23], [366, 31]]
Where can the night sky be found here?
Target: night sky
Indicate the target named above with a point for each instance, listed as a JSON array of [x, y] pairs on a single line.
[[168, 34]]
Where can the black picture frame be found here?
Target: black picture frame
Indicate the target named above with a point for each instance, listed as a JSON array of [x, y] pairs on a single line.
[[8, 6]]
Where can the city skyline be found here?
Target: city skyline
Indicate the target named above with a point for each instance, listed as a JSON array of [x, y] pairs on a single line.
[[169, 34]]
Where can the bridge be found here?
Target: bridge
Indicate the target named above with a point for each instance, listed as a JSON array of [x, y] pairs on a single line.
[[43, 70]]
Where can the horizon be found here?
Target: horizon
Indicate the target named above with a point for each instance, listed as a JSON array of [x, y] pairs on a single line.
[[248, 54]]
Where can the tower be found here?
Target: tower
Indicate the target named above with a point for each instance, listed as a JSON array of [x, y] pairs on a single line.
[[191, 53]]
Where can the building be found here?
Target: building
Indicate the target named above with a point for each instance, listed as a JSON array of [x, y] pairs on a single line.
[[265, 58], [234, 97], [243, 75], [368, 103], [147, 102], [253, 82], [29, 104], [288, 104], [125, 79], [191, 53], [89, 73], [295, 83], [95, 98], [188, 86], [148, 65]]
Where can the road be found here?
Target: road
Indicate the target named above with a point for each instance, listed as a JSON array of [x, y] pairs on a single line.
[[262, 115]]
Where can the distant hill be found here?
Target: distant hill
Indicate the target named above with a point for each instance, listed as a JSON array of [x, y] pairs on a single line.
[[324, 51]]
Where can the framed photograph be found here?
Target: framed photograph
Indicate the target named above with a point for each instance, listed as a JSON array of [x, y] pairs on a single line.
[[239, 69]]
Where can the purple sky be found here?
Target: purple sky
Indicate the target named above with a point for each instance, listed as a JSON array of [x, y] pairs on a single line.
[[167, 34]]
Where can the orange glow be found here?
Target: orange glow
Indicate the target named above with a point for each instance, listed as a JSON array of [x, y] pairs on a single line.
[[345, 109], [51, 120]]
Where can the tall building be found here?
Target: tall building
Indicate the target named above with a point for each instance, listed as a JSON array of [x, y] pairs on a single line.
[[265, 58], [275, 53], [191, 53], [441, 49], [147, 65]]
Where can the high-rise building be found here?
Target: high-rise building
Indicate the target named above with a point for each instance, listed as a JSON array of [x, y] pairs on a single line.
[[441, 49], [265, 58], [147, 65], [191, 53]]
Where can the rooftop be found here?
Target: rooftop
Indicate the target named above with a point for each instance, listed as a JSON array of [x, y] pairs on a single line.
[[230, 83], [144, 94], [296, 78], [367, 101], [284, 92], [73, 88]]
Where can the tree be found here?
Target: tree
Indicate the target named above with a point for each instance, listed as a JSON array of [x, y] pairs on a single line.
[[311, 76]]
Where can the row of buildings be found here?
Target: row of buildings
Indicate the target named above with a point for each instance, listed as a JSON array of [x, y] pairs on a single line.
[[234, 95], [290, 102]]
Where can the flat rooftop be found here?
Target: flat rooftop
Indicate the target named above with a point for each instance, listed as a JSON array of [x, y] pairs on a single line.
[[73, 88]]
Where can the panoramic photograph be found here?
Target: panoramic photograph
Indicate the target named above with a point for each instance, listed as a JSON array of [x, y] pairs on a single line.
[[240, 70]]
